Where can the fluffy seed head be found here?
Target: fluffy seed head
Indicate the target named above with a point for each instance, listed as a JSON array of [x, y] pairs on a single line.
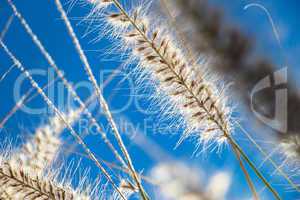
[[191, 91], [17, 183]]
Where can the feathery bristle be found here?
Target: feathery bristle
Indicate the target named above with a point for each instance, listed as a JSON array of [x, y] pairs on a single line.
[[192, 93]]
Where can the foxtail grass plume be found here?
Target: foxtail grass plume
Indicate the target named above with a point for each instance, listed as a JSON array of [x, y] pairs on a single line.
[[41, 150], [191, 90], [16, 183]]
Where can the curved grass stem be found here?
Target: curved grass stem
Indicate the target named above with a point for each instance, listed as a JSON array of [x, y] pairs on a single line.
[[247, 176]]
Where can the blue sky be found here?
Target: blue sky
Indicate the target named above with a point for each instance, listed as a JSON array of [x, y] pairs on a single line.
[[44, 20]]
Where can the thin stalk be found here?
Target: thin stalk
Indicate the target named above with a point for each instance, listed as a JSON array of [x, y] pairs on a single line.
[[101, 99], [91, 99], [6, 27], [6, 73]]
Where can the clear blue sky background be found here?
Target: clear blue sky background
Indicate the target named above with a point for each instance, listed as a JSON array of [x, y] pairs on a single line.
[[44, 20]]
